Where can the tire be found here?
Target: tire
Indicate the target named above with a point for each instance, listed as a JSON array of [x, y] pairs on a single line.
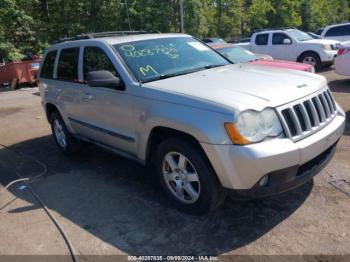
[[66, 143], [191, 187], [311, 58]]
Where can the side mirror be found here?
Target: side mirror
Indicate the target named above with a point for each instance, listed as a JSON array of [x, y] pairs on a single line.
[[287, 41], [104, 78]]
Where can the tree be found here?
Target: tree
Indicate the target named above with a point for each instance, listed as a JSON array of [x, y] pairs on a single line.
[[258, 13], [287, 13], [30, 25]]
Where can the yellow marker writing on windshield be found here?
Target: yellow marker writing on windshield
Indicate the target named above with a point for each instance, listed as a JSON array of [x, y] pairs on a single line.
[[147, 69]]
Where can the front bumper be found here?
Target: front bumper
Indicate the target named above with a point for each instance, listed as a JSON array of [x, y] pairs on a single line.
[[242, 167], [328, 56], [286, 179]]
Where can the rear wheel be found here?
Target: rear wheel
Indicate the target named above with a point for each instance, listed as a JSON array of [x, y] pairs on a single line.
[[64, 140], [311, 58], [186, 177]]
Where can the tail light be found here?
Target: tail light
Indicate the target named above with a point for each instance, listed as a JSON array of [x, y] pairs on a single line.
[[343, 51]]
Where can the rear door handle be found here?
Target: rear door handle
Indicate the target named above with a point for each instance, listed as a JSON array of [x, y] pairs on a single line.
[[88, 96]]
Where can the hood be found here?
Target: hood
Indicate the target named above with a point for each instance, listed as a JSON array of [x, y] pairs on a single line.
[[243, 86], [283, 64], [322, 41], [345, 44]]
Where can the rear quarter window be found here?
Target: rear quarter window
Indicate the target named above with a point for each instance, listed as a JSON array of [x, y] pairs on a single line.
[[262, 39], [48, 65], [67, 69]]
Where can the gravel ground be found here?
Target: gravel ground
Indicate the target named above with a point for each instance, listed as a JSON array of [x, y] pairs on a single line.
[[109, 205]]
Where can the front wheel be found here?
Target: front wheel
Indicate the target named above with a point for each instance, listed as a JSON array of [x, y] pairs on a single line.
[[311, 58], [187, 178]]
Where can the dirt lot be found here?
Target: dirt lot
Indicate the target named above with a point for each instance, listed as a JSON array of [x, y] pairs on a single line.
[[109, 205]]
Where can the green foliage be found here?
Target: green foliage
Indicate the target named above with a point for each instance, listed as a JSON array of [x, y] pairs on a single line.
[[9, 52], [258, 13], [30, 25]]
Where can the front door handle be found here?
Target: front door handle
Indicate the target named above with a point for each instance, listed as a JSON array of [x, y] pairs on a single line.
[[88, 96]]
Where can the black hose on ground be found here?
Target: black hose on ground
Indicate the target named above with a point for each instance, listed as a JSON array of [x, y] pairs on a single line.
[[25, 181]]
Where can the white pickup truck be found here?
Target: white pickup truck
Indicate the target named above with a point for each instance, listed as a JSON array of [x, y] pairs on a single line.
[[294, 45]]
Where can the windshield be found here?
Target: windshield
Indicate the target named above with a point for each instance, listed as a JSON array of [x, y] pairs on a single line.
[[299, 35], [237, 54], [155, 59]]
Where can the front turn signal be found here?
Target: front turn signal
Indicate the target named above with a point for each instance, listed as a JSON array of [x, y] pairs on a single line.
[[235, 136]]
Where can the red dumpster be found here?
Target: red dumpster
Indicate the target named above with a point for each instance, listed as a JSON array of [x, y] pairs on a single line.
[[19, 72]]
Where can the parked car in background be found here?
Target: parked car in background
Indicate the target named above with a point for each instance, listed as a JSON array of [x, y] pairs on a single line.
[[213, 40], [237, 54], [340, 32], [206, 126], [319, 31], [261, 56], [313, 35], [240, 40], [342, 61], [294, 45]]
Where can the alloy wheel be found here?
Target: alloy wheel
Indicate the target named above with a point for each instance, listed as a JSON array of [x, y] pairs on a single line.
[[310, 60], [181, 177], [59, 133]]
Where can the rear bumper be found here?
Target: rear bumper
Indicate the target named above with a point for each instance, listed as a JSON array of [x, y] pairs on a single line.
[[287, 179]]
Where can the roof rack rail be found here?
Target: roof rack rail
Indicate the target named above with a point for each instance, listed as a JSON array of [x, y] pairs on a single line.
[[104, 34], [271, 29]]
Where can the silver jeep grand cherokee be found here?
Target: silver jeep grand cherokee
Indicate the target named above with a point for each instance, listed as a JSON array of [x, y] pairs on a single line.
[[206, 126]]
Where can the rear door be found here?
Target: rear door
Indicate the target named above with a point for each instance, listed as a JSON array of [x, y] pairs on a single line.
[[107, 113], [68, 88], [260, 44]]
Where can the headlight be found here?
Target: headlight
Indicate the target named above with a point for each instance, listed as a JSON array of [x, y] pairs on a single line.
[[327, 47], [252, 126]]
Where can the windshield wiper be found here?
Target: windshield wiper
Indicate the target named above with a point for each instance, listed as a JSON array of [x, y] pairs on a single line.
[[165, 76], [213, 66]]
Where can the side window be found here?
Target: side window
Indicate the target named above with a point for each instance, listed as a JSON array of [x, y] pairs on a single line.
[[278, 38], [67, 69], [262, 39], [48, 65], [339, 31], [347, 30], [95, 59]]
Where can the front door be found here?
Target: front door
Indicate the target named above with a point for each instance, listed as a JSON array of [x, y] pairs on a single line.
[[106, 113], [282, 47]]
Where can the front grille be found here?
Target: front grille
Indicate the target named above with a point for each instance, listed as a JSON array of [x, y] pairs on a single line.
[[307, 116]]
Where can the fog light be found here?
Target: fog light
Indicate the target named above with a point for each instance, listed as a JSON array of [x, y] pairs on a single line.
[[263, 182]]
